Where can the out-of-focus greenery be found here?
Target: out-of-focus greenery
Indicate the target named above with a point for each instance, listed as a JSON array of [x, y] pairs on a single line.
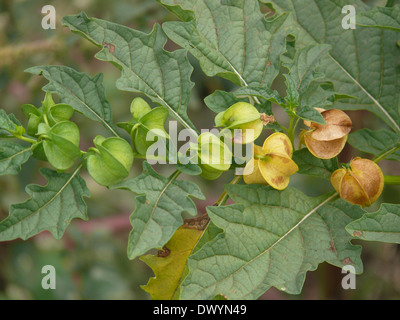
[[91, 259]]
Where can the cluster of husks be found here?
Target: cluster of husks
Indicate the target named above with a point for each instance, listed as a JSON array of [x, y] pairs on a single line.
[[109, 162], [359, 183], [58, 138]]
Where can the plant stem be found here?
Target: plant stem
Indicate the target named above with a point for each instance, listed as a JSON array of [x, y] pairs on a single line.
[[32, 141], [392, 180], [46, 120], [292, 128], [224, 196]]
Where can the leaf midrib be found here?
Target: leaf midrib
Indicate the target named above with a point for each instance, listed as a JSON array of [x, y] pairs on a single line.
[[15, 155], [280, 239], [52, 199], [155, 206], [126, 67]]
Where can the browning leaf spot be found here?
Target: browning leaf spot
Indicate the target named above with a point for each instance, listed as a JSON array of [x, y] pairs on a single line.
[[347, 260], [332, 247], [199, 223], [165, 252], [109, 46], [358, 233]]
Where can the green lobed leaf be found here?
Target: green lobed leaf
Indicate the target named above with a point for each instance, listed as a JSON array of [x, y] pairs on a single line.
[[51, 207], [309, 113], [77, 89], [12, 156], [303, 82], [159, 208], [319, 95], [271, 238], [303, 68], [146, 67], [189, 168], [262, 93], [220, 100], [381, 17], [292, 94], [375, 141], [312, 166], [230, 38], [5, 122], [10, 124], [382, 225], [362, 69]]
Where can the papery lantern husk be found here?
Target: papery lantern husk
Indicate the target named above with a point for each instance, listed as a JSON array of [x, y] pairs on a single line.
[[338, 125], [275, 167], [324, 149], [252, 173], [326, 141], [361, 184], [238, 118], [110, 162], [213, 163]]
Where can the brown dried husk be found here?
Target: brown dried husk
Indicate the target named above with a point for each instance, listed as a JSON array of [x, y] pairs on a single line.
[[362, 184], [338, 125], [324, 149]]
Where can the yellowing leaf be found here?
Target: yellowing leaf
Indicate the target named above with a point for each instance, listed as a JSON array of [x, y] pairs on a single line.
[[168, 265]]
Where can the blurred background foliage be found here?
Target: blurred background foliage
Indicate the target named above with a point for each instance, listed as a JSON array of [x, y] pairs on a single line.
[[91, 260]]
